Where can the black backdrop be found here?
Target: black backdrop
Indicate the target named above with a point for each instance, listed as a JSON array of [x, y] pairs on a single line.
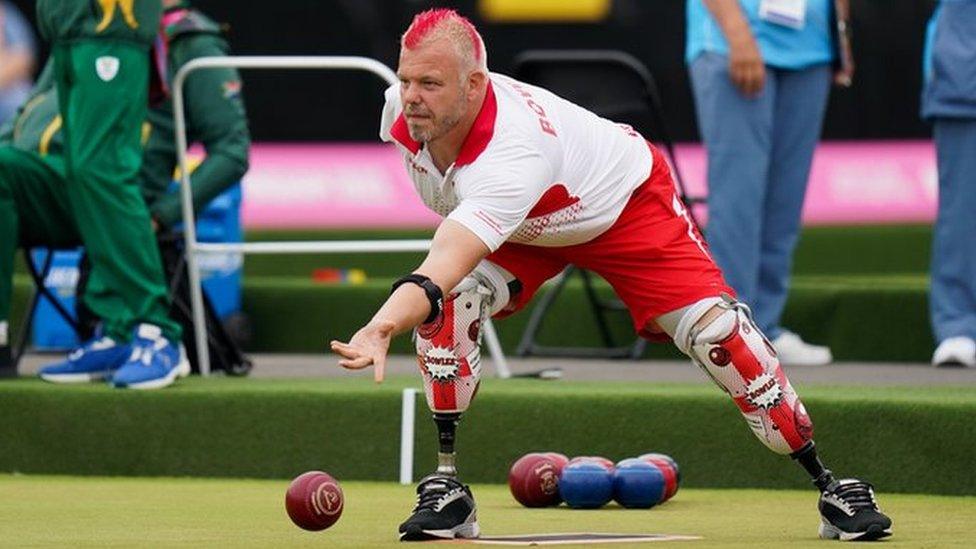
[[302, 106]]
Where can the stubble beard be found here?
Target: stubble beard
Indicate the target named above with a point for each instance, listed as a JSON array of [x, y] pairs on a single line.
[[441, 125]]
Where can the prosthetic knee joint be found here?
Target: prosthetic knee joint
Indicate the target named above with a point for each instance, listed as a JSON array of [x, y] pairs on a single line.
[[739, 358], [449, 354]]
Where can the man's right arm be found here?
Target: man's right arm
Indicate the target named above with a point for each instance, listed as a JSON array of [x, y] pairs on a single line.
[[454, 252], [746, 66], [494, 202]]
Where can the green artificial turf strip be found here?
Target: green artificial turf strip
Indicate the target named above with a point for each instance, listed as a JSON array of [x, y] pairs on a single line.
[[862, 312], [861, 317], [864, 249], [179, 512], [393, 385], [275, 428]]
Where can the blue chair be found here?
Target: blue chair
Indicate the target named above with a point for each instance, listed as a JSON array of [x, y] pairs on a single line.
[[52, 315]]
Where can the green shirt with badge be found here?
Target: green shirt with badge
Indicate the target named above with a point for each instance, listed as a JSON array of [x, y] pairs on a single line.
[[128, 20], [214, 112]]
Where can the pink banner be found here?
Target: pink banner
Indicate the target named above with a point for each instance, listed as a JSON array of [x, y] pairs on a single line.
[[852, 182], [330, 186], [366, 186]]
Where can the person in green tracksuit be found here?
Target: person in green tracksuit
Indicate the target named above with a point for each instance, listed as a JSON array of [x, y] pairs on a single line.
[[100, 51], [34, 166], [215, 117]]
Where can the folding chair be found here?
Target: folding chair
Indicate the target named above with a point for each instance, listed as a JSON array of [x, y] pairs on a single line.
[[617, 86], [38, 276], [224, 351]]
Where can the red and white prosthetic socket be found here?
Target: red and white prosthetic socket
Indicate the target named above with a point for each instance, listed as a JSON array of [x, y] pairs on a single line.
[[449, 348], [739, 358]]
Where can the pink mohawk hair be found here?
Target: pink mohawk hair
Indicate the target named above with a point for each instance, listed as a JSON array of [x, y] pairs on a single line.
[[425, 22]]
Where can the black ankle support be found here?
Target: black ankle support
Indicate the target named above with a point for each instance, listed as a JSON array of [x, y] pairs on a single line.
[[808, 459], [446, 429]]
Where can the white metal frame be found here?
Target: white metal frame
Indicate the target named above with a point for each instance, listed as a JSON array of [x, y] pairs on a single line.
[[408, 406], [193, 247]]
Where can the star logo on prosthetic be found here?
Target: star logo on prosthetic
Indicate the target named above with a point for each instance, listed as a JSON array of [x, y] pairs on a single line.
[[764, 392], [441, 364]]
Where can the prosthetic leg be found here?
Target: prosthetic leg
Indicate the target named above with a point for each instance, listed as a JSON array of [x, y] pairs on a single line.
[[732, 351], [449, 358], [740, 360]]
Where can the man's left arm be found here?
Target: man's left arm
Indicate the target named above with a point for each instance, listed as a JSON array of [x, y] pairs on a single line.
[[216, 117]]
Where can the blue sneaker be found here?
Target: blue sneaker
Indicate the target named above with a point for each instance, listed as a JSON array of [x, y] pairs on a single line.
[[96, 359], [154, 362]]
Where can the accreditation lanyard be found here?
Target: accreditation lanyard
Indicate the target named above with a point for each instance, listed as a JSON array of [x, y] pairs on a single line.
[[789, 13]]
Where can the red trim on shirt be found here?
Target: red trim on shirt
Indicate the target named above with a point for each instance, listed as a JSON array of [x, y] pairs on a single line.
[[445, 391], [554, 199], [488, 221], [481, 132], [476, 141], [400, 132]]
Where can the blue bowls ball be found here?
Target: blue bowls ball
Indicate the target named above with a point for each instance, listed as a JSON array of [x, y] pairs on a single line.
[[637, 484], [586, 485]]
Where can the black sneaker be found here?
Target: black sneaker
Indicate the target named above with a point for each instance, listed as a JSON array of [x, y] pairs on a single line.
[[445, 509], [849, 512]]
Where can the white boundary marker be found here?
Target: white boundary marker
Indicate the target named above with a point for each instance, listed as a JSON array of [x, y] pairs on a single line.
[[574, 539], [407, 422], [193, 247]]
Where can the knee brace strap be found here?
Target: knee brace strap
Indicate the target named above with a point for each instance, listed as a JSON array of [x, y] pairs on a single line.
[[739, 358]]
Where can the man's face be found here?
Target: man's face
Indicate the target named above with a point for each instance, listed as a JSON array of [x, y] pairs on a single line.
[[434, 98]]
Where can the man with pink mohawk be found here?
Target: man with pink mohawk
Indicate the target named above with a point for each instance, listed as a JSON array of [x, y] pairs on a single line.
[[528, 183]]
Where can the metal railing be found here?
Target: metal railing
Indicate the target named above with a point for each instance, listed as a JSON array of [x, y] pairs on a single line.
[[361, 246]]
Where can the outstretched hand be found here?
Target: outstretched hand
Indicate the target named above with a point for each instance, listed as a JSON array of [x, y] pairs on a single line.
[[368, 346]]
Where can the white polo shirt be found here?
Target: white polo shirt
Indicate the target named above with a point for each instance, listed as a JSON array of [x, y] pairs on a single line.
[[535, 169]]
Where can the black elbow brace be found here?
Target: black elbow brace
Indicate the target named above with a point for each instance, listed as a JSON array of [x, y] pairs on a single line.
[[434, 293]]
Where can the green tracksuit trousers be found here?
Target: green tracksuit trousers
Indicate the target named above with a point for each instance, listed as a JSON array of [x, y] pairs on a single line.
[[102, 91]]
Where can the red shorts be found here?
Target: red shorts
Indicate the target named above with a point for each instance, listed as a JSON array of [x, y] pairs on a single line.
[[653, 256]]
